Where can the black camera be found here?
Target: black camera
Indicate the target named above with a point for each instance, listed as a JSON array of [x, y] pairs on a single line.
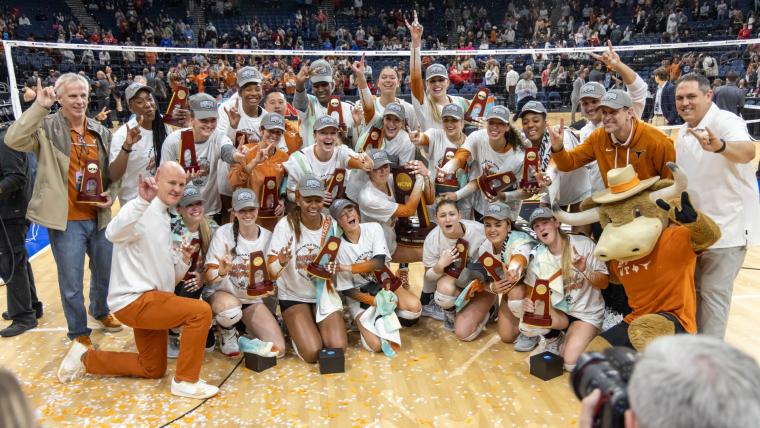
[[608, 371]]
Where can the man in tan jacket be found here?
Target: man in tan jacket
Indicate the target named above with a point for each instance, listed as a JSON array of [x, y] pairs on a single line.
[[70, 149]]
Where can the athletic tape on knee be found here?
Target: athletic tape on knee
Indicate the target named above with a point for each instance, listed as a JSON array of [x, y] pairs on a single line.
[[445, 301], [229, 317], [516, 307], [408, 315], [479, 329], [428, 286]]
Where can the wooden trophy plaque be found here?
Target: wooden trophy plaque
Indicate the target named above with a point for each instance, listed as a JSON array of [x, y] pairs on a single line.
[[334, 106], [410, 231], [337, 184], [269, 199], [449, 182], [479, 100], [91, 185], [387, 279], [457, 266], [327, 254], [242, 138], [259, 282], [530, 163], [493, 266], [373, 139], [178, 101], [187, 157], [492, 184], [541, 303]]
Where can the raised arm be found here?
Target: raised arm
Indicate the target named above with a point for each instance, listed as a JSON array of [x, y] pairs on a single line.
[[368, 100], [415, 60]]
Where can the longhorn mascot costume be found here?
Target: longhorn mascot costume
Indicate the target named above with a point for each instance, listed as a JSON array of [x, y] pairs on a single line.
[[651, 237]]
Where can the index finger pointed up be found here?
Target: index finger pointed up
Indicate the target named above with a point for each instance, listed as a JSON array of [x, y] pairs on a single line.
[[39, 84]]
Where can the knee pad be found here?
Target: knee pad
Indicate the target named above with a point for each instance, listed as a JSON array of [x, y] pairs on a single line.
[[515, 306], [408, 318], [364, 344], [569, 367], [479, 329], [229, 317], [445, 301]]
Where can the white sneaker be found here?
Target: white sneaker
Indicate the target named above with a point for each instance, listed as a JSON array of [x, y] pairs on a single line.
[[525, 343], [228, 339], [553, 344], [172, 347], [199, 390], [432, 310], [72, 366]]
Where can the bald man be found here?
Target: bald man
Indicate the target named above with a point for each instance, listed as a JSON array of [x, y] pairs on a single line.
[[141, 294]]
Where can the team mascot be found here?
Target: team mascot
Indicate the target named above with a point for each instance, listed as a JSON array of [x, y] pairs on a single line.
[[651, 239]]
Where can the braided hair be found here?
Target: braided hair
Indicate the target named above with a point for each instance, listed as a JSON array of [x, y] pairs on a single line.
[[235, 234]]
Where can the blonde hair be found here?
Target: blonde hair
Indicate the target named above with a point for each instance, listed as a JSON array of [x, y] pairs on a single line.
[[567, 258]]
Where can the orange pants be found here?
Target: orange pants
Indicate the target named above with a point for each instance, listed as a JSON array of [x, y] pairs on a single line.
[[151, 316]]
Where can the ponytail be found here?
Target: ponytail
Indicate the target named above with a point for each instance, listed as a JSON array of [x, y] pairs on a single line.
[[294, 219], [235, 234]]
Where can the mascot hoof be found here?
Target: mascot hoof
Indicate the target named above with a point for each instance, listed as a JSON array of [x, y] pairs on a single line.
[[647, 328], [599, 344]]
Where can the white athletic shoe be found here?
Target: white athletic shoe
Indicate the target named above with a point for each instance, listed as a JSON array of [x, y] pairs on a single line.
[[553, 344], [432, 310], [525, 343], [199, 390], [228, 339], [172, 347], [72, 366]]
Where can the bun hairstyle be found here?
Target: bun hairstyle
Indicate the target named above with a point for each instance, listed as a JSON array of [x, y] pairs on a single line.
[[441, 201]]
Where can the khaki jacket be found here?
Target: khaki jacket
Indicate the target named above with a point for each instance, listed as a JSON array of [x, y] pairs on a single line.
[[48, 137]]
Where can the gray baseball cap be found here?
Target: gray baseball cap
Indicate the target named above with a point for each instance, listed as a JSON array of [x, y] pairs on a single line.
[[453, 110], [310, 185], [248, 75], [321, 71], [191, 195], [203, 106], [395, 109], [244, 198], [499, 211], [273, 121], [540, 212], [436, 70], [532, 107], [499, 113], [592, 90], [326, 121], [616, 99], [379, 157], [134, 88], [338, 206]]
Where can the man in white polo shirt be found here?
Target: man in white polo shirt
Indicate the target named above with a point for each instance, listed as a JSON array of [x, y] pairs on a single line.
[[715, 151]]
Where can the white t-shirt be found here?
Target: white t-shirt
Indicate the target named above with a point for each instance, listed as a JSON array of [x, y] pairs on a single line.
[[294, 283], [412, 121], [313, 111], [724, 190], [436, 242], [523, 250], [425, 111], [305, 160], [141, 160], [379, 207], [486, 160], [567, 187], [583, 300], [237, 280], [438, 142], [371, 243], [208, 154], [400, 145]]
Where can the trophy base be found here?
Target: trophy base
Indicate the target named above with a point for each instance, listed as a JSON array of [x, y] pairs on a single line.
[[173, 122], [331, 360], [441, 188], [453, 272], [412, 236], [319, 271], [260, 289], [537, 320], [91, 199], [528, 184]]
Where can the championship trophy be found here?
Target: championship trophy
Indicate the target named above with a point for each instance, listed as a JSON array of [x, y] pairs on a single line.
[[269, 199], [411, 231], [259, 282], [457, 266], [187, 158], [447, 183], [242, 138], [492, 184], [480, 100], [530, 163], [337, 184], [178, 101], [91, 184], [493, 266], [373, 139], [541, 303], [387, 279], [193, 260], [327, 254], [334, 106]]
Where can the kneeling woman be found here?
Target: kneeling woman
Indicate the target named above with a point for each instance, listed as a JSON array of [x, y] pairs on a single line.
[[569, 259], [228, 267], [439, 252], [296, 240], [362, 252]]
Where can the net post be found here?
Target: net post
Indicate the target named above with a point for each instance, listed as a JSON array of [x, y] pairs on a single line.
[[15, 101]]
